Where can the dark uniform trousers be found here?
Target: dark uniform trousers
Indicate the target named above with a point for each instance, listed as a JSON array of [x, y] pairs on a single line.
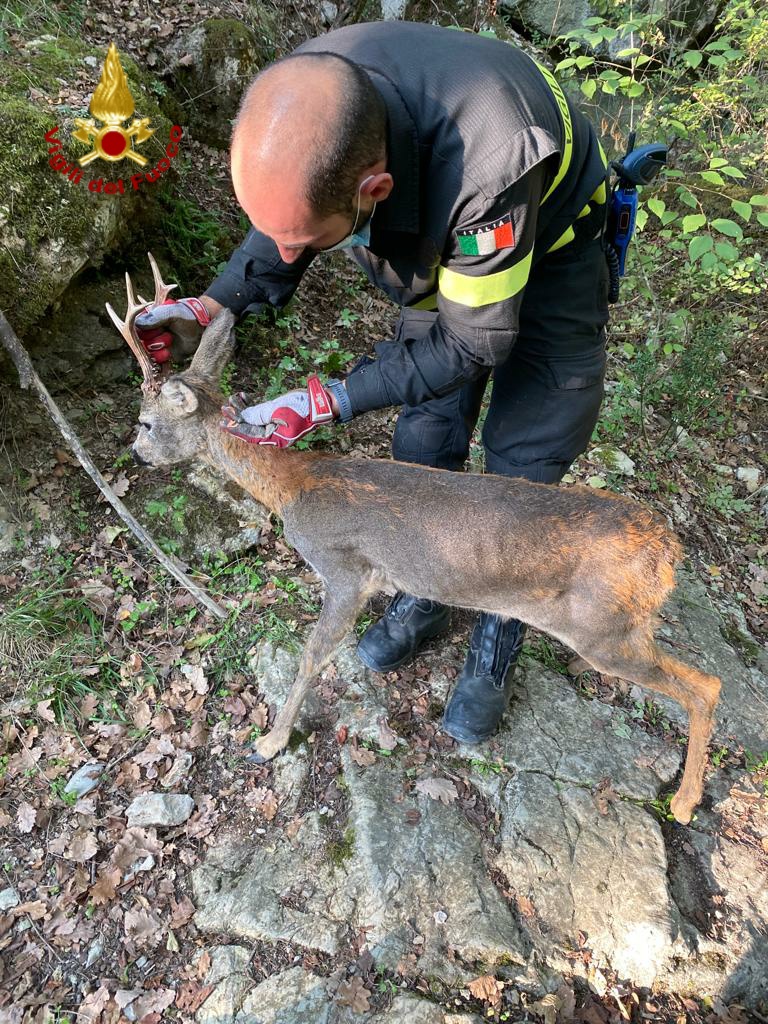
[[545, 397]]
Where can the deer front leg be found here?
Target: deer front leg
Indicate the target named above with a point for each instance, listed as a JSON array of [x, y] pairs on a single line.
[[343, 602]]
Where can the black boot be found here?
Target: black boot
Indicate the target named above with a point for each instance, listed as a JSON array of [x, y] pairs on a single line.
[[481, 694], [399, 633]]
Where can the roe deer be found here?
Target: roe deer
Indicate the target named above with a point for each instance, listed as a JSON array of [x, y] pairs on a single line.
[[590, 568]]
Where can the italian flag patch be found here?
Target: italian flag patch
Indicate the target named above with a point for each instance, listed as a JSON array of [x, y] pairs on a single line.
[[487, 238]]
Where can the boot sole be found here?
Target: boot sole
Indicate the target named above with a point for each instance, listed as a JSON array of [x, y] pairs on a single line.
[[370, 663]]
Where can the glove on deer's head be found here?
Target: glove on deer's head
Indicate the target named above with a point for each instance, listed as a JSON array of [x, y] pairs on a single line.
[[175, 408]]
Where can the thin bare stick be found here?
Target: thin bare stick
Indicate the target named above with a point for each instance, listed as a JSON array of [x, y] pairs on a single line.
[[27, 376]]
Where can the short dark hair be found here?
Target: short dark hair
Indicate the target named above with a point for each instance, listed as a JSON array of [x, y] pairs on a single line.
[[354, 141]]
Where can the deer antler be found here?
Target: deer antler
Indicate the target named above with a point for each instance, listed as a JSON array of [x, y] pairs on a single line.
[[162, 290], [127, 328], [149, 368]]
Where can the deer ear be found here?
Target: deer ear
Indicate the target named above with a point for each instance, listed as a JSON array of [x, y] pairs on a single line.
[[216, 346], [180, 397]]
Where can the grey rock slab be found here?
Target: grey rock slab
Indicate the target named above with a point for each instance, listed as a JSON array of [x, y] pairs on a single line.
[[604, 875], [409, 1009], [550, 728], [229, 974], [294, 996], [733, 799], [693, 629], [359, 706], [403, 874], [277, 891], [161, 809], [289, 776], [85, 779], [726, 883], [237, 522]]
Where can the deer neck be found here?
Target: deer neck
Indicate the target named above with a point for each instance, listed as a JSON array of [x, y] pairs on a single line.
[[271, 475]]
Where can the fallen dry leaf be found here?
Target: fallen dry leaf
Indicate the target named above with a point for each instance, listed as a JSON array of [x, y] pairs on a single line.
[[143, 927], [153, 1002], [487, 988], [191, 996], [44, 710], [92, 1006], [354, 994], [36, 909], [362, 756], [181, 912], [387, 736], [526, 907], [121, 485], [82, 847], [438, 789], [105, 887], [25, 817], [547, 1007]]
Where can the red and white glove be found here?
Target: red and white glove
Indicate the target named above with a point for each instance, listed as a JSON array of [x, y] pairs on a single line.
[[280, 422], [182, 320]]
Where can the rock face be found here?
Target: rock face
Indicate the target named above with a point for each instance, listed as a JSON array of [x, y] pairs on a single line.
[[210, 67], [51, 227], [576, 845], [701, 636], [601, 874]]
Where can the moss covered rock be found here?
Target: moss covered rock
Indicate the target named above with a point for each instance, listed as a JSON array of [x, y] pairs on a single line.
[[209, 67], [51, 224]]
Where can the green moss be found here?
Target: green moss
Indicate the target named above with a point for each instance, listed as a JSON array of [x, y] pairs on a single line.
[[340, 850], [49, 225], [745, 645]]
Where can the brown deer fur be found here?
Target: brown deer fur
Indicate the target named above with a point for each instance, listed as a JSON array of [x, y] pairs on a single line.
[[591, 569]]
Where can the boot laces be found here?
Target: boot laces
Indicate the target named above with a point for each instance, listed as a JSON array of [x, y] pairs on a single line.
[[497, 643]]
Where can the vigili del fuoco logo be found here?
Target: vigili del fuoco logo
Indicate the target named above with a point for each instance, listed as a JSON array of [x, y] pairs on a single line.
[[111, 105]]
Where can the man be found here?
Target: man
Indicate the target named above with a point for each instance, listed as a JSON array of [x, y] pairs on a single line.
[[467, 187]]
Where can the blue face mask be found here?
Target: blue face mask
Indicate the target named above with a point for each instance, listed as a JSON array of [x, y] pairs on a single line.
[[356, 237]]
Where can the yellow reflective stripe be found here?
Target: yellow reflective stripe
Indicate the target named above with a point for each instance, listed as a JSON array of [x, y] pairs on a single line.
[[598, 198], [482, 291], [429, 302], [565, 116], [567, 236]]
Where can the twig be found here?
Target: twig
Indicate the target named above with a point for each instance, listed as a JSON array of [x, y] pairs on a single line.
[[27, 376]]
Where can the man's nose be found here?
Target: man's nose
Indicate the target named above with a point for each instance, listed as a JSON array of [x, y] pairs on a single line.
[[138, 458], [288, 255]]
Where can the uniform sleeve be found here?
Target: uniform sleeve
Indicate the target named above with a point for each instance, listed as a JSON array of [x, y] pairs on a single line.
[[480, 288], [256, 276]]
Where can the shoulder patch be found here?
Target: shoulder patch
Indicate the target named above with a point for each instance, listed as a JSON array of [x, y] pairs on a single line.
[[487, 238]]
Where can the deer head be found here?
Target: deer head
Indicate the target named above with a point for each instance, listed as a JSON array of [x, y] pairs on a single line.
[[177, 411]]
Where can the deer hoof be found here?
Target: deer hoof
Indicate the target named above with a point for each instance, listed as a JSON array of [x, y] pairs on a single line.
[[683, 812], [264, 750]]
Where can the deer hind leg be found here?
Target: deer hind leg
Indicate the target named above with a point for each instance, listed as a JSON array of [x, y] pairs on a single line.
[[638, 659], [344, 600]]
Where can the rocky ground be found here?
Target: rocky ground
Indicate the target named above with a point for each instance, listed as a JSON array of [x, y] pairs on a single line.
[[376, 871]]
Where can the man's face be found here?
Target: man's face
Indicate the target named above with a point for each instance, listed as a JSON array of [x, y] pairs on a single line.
[[274, 210]]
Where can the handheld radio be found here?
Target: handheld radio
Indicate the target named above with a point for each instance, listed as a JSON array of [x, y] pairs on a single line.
[[637, 167]]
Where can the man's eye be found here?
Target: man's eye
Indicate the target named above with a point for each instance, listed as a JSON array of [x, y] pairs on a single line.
[[145, 424]]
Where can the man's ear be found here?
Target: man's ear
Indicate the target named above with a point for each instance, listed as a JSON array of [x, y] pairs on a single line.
[[379, 187], [182, 399]]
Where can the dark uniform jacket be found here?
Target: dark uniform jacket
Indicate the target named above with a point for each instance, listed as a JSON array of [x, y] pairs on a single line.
[[492, 168]]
